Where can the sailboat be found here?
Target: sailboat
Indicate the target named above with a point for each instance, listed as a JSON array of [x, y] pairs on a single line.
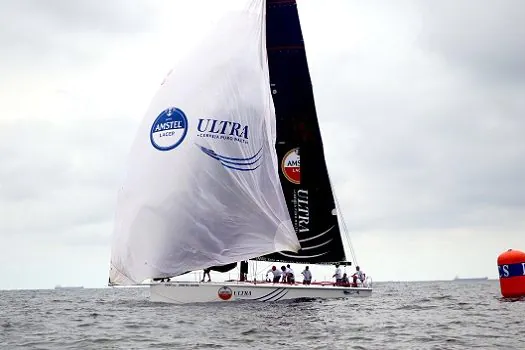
[[228, 166]]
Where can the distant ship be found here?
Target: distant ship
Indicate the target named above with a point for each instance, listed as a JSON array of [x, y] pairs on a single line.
[[68, 287], [470, 279]]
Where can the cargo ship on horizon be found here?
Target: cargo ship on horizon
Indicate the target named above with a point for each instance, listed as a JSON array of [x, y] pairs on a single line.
[[470, 279]]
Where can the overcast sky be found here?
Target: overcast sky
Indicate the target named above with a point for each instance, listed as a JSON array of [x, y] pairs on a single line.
[[421, 106]]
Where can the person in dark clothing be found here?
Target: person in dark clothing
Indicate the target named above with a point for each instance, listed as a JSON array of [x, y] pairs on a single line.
[[345, 282], [163, 279], [244, 271], [290, 277], [206, 272]]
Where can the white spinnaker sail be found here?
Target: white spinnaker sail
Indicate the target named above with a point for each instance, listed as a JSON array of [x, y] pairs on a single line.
[[202, 186]]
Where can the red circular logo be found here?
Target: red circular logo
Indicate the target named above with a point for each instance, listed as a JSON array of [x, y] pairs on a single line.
[[225, 293], [291, 166]]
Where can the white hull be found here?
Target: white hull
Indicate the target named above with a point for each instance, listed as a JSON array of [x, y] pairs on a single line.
[[191, 292]]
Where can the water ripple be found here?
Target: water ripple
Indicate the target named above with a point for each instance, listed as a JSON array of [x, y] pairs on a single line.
[[404, 316]]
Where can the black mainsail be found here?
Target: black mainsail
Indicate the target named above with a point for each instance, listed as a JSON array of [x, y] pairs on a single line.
[[303, 172]]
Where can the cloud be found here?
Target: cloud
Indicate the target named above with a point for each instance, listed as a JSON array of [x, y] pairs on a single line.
[[43, 262], [412, 140], [66, 32], [434, 254], [485, 40], [57, 175]]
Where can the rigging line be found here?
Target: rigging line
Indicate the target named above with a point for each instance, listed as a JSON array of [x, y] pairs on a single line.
[[343, 222], [263, 269], [252, 265], [347, 232]]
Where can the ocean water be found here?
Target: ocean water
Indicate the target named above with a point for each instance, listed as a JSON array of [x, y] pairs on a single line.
[[429, 315]]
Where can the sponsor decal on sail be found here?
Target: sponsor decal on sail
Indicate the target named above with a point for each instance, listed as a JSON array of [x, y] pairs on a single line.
[[235, 163], [228, 131], [302, 211], [169, 129], [291, 166], [222, 130]]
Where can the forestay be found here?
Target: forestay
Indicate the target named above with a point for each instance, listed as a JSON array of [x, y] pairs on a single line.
[[202, 186]]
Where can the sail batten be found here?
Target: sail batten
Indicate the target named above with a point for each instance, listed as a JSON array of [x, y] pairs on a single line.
[[303, 171]]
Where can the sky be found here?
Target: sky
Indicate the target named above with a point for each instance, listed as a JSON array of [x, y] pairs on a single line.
[[421, 106]]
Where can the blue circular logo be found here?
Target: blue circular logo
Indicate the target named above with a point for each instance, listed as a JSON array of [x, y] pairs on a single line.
[[169, 129]]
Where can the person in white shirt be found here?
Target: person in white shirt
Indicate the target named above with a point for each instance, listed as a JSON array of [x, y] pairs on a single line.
[[358, 275], [338, 275], [307, 275], [276, 274], [283, 274], [290, 277]]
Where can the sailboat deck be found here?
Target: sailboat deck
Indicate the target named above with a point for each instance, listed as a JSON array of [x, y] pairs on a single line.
[[264, 284]]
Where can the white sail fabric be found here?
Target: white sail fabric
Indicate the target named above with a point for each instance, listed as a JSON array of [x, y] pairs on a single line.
[[202, 186]]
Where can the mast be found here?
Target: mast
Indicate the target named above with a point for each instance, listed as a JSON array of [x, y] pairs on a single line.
[[303, 172]]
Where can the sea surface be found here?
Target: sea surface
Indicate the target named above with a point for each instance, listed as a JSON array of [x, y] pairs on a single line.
[[426, 315]]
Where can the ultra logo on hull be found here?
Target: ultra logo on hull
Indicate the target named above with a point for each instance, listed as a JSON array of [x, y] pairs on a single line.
[[291, 166]]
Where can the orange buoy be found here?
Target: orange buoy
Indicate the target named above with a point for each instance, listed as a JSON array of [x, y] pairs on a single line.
[[511, 266]]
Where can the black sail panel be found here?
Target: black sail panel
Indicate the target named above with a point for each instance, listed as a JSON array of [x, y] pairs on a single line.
[[224, 268], [303, 172]]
